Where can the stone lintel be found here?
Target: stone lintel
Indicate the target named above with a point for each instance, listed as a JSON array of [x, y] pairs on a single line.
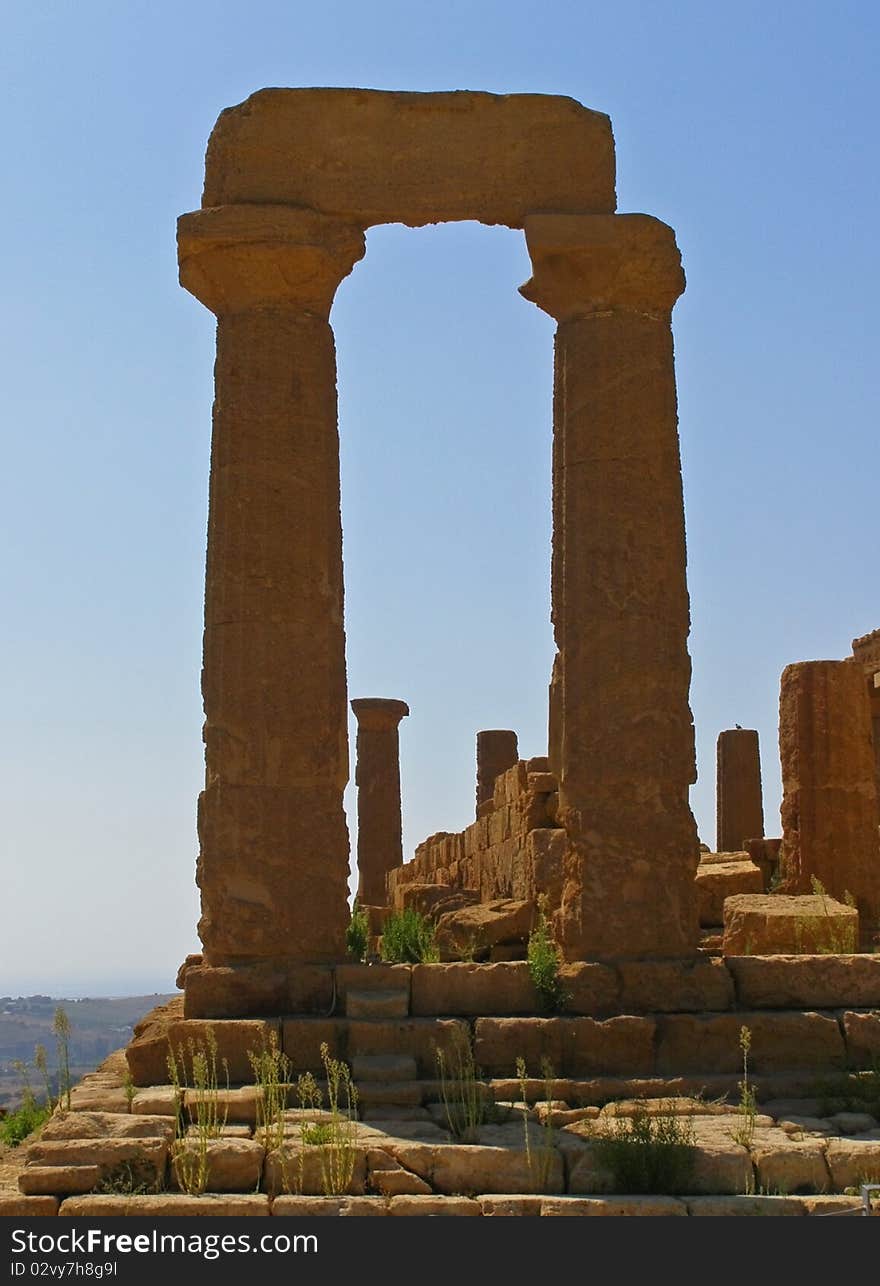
[[583, 264], [237, 257], [381, 156], [379, 713]]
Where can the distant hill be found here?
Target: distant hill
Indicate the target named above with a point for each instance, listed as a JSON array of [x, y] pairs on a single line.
[[98, 1026]]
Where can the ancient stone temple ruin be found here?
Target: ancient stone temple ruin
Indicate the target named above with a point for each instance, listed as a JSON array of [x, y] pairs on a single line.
[[291, 184], [666, 952]]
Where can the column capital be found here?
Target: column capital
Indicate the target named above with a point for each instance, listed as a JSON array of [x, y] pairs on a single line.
[[237, 257], [592, 263], [379, 713]]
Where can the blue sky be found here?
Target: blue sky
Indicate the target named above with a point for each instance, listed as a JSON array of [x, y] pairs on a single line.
[[751, 128]]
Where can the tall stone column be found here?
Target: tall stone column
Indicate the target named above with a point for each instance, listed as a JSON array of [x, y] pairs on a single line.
[[829, 800], [739, 812], [380, 834], [273, 865], [866, 651], [621, 732], [497, 750]]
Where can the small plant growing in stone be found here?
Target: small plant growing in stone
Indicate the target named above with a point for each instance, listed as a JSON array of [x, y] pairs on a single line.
[[648, 1151], [466, 1099], [61, 1030], [408, 938], [338, 1151], [539, 1160], [357, 935], [271, 1068], [128, 1086], [841, 938], [41, 1062], [544, 963], [747, 1108], [334, 1140], [202, 1118], [128, 1179], [29, 1116]]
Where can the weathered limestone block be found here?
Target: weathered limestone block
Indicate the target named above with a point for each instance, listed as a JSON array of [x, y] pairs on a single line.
[[434, 1205], [806, 982], [743, 1205], [622, 1045], [147, 1053], [307, 1207], [479, 989], [22, 1207], [302, 1038], [853, 1162], [765, 855], [721, 1165], [273, 866], [143, 1159], [739, 801], [304, 1167], [190, 962], [659, 986], [497, 750], [862, 1034], [58, 1180], [418, 1038], [106, 1125], [432, 899], [239, 1105], [472, 1168], [380, 844], [613, 1206], [719, 880], [244, 991], [829, 805], [377, 1004], [780, 1042], [89, 1096], [385, 1175], [622, 750], [544, 866], [374, 977], [589, 988], [155, 1100], [499, 1042], [508, 1206], [619, 1046], [481, 926], [167, 1205], [784, 1164], [777, 924], [233, 1165]]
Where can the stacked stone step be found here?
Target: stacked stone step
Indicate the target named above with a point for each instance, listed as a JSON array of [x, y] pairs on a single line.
[[651, 1023]]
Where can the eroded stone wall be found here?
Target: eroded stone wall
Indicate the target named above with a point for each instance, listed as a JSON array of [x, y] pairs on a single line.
[[515, 850]]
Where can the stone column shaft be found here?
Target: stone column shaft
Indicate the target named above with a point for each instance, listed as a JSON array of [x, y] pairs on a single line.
[[866, 650], [380, 829], [621, 732], [497, 750], [739, 802], [273, 865], [829, 802]]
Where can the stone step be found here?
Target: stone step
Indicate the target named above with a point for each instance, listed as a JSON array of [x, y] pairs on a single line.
[[384, 1069], [377, 1004], [375, 1094]]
